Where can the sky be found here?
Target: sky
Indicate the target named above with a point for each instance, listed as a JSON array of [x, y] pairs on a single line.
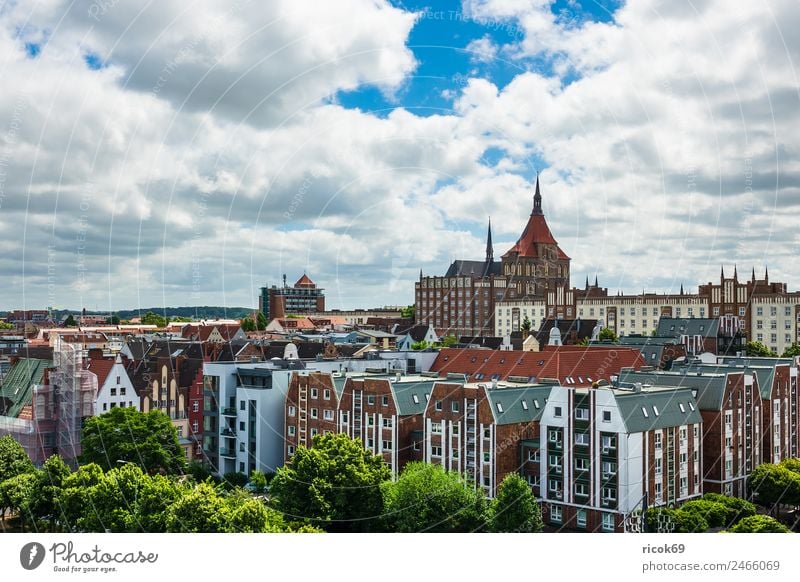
[[189, 152]]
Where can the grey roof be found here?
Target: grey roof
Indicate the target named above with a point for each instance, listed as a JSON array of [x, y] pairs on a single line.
[[404, 393], [663, 409], [474, 268], [511, 402], [762, 368], [677, 326], [710, 388], [374, 333]]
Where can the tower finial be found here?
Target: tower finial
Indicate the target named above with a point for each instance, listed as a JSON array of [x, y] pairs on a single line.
[[587, 282], [735, 275], [754, 274], [489, 248], [681, 288], [766, 275], [537, 198], [595, 282], [722, 271]]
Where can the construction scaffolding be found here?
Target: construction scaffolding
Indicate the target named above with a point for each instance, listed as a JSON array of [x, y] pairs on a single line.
[[74, 390]]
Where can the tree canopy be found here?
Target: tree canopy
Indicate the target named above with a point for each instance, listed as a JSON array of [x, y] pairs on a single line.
[[515, 509], [335, 485], [757, 349], [151, 318], [775, 484], [759, 524], [792, 351], [247, 324], [125, 435], [13, 459], [426, 498], [607, 334]]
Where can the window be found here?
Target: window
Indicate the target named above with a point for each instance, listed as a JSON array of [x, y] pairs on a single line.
[[609, 442], [327, 414], [554, 485], [292, 411], [554, 461], [195, 406], [242, 426], [370, 443], [241, 448], [554, 436], [533, 456], [313, 432], [345, 417], [105, 406], [314, 393], [581, 464], [581, 438], [606, 416], [314, 413], [644, 412], [454, 406], [487, 457], [195, 426], [370, 420], [609, 468], [291, 430], [415, 398], [580, 517], [436, 451], [582, 413], [438, 405], [454, 453], [326, 394], [557, 412], [242, 405], [387, 445], [384, 401], [681, 406], [436, 428], [113, 392], [581, 490], [657, 466], [609, 494], [455, 430], [371, 400], [415, 446], [487, 433], [555, 514], [122, 391], [607, 520], [387, 423], [290, 450], [499, 407]]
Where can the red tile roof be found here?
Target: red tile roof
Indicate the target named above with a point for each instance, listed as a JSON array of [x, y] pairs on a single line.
[[101, 368], [536, 232], [571, 365], [304, 281]]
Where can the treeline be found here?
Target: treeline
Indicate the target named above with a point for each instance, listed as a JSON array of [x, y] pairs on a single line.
[[199, 312]]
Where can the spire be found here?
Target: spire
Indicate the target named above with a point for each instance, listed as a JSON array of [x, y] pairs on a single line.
[[735, 275], [420, 274], [489, 248], [766, 275], [537, 199], [754, 274], [722, 272], [587, 281], [681, 288], [595, 282]]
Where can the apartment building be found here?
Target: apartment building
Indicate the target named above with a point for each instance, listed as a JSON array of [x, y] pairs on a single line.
[[608, 451], [485, 431]]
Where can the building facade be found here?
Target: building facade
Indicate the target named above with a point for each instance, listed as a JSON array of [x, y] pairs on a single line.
[[303, 298]]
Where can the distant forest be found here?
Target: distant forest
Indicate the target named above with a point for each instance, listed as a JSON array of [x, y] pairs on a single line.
[[199, 312]]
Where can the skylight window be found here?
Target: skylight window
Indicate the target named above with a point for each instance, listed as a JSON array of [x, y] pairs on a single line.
[[691, 406], [415, 399], [536, 404], [655, 409], [499, 407], [524, 405], [682, 407], [644, 412]]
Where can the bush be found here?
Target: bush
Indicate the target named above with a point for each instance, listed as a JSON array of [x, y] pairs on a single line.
[[759, 524], [684, 521], [738, 509], [715, 513]]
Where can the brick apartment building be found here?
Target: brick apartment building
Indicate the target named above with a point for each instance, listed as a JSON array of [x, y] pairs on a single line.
[[303, 298]]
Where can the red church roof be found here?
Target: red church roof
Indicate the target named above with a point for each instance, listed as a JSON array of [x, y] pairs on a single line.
[[536, 232], [576, 366], [304, 281]]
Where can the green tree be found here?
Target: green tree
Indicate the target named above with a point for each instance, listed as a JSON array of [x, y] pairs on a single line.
[[515, 509], [759, 524], [737, 508], [47, 492], [258, 482], [792, 464], [419, 346], [6, 325], [683, 521], [155, 497], [151, 318], [449, 340], [198, 470], [70, 321], [247, 324], [234, 480], [113, 320], [17, 493], [111, 504], [716, 514], [146, 439], [13, 459], [775, 484], [757, 349], [607, 334], [792, 351], [408, 312], [426, 498], [526, 324], [199, 510], [261, 321], [335, 484], [74, 495]]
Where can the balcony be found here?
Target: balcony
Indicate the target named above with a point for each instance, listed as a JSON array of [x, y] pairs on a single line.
[[229, 411], [228, 453], [228, 432]]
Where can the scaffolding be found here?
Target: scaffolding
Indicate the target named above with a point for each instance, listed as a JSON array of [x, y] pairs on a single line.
[[73, 393]]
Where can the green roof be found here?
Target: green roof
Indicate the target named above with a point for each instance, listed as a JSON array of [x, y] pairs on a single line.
[[518, 405], [764, 372], [410, 396], [710, 388], [17, 389], [663, 409]]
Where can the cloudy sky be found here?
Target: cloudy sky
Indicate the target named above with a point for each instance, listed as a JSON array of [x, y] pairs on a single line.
[[186, 152]]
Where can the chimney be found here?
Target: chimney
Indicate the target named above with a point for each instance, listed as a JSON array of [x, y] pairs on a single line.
[[494, 383]]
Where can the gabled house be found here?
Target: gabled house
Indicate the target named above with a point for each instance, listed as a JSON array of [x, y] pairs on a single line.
[[415, 334], [114, 386]]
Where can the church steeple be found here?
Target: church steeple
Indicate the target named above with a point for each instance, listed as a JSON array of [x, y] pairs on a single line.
[[595, 282], [537, 199], [681, 288], [587, 282], [735, 274], [489, 248], [766, 275]]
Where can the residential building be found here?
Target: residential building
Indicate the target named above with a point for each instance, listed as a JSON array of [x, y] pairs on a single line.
[[607, 451], [114, 386]]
